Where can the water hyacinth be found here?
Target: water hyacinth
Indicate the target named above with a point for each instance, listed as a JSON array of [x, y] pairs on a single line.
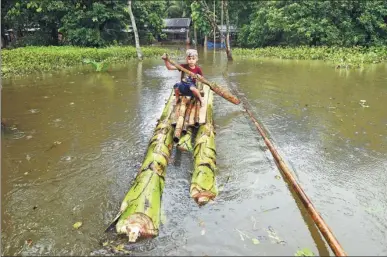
[[27, 60], [340, 57]]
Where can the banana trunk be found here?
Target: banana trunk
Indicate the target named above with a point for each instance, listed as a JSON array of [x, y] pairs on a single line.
[[203, 184], [139, 214], [185, 142]]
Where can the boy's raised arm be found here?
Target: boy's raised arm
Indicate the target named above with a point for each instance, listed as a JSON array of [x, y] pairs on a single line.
[[167, 63]]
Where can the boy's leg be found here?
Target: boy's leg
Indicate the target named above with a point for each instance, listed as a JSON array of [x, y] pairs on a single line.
[[196, 93], [177, 95], [177, 92]]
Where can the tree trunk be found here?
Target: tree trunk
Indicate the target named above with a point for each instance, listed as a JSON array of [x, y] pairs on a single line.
[[221, 23], [134, 27], [228, 47], [54, 35], [215, 26], [195, 37], [140, 210], [203, 183], [205, 42]]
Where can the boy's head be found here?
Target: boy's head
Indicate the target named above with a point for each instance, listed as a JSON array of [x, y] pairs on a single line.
[[191, 56]]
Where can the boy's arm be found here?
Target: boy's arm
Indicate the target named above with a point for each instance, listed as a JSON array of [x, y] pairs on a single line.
[[167, 64]]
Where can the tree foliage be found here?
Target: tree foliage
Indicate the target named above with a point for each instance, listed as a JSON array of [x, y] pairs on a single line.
[[198, 18], [82, 22], [260, 23], [315, 23]]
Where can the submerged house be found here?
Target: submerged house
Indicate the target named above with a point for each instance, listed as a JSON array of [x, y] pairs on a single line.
[[177, 29]]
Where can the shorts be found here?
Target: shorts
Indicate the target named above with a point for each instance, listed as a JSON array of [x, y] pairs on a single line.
[[184, 88]]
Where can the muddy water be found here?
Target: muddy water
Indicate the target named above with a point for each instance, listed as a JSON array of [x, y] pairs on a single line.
[[79, 138]]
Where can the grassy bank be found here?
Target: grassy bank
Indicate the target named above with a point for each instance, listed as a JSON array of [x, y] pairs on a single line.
[[340, 57], [27, 60]]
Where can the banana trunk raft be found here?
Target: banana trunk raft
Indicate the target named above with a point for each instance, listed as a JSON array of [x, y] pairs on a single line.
[[139, 215]]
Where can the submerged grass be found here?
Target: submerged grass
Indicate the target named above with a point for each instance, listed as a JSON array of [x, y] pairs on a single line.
[[340, 57], [27, 60]]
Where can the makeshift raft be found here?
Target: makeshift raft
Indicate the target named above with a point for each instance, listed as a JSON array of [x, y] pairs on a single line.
[[139, 214]]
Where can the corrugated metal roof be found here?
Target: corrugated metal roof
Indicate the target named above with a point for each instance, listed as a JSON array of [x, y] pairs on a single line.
[[178, 31], [177, 22]]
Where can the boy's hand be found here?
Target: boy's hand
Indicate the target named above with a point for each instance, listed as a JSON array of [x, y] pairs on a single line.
[[164, 57]]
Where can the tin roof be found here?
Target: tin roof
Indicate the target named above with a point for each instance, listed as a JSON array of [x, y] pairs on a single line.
[[177, 22]]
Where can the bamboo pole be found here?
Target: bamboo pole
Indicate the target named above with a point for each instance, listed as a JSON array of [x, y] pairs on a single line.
[[221, 91], [175, 113], [197, 112], [187, 115], [180, 119], [191, 121], [319, 221]]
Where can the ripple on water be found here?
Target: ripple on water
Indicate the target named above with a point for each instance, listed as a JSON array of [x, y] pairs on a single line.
[[92, 156], [18, 135]]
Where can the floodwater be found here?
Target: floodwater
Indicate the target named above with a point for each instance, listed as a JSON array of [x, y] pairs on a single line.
[[78, 137]]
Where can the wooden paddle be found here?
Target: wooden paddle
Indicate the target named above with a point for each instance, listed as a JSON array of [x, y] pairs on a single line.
[[223, 92]]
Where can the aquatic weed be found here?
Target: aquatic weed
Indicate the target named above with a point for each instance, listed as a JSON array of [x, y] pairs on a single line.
[[341, 57], [27, 60]]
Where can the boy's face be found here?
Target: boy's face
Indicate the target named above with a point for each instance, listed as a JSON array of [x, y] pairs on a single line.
[[191, 60]]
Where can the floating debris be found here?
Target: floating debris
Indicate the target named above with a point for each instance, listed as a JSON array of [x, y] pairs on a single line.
[[77, 225], [33, 110], [304, 252], [362, 103], [29, 242]]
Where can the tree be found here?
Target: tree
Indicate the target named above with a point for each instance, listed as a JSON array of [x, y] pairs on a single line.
[[209, 16], [200, 23], [228, 47], [177, 9], [149, 19], [314, 23], [134, 27]]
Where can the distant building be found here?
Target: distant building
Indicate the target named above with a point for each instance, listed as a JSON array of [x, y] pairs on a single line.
[[233, 31], [177, 29]]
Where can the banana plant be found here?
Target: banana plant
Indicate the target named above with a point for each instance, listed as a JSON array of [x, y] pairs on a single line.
[[99, 66]]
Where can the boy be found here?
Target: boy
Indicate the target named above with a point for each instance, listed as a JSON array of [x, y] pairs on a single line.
[[187, 85]]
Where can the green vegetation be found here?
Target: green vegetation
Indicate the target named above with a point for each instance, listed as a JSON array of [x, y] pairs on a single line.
[[341, 57], [347, 33], [82, 23], [27, 60], [342, 23], [304, 252]]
